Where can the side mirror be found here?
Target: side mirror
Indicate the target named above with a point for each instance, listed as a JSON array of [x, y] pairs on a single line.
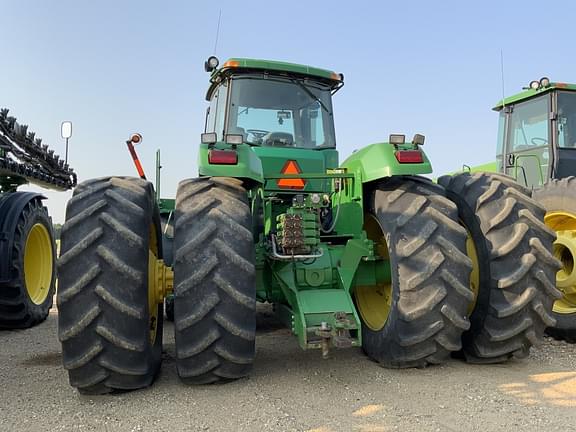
[[66, 129]]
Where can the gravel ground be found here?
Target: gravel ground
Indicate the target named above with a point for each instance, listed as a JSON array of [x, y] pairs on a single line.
[[292, 390]]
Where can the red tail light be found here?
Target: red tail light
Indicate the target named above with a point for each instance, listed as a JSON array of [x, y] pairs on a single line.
[[222, 157], [409, 156]]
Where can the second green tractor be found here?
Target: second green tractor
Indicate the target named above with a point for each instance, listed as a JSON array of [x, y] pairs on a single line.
[[537, 148], [361, 253]]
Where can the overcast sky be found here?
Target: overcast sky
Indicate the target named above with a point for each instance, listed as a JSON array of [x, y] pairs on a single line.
[[116, 67]]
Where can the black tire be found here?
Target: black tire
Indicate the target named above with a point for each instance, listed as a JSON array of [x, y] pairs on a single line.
[[516, 268], [560, 196], [18, 309], [214, 281], [104, 318], [430, 273]]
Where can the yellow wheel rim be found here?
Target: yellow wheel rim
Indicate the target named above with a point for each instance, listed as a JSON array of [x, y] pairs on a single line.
[[153, 284], [564, 223], [475, 274], [375, 301], [38, 263]]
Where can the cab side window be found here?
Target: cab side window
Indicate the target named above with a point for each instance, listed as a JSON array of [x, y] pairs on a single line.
[[211, 113], [217, 111]]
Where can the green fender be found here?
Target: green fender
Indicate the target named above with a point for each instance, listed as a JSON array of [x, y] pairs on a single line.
[[377, 161], [371, 163]]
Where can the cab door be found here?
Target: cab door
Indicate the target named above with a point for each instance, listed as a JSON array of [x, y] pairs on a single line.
[[528, 137], [565, 147]]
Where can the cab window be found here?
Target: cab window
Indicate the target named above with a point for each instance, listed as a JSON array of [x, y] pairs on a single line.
[[216, 111], [529, 125], [567, 120]]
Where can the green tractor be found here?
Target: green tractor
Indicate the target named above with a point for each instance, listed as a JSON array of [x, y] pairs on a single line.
[[364, 253], [537, 147], [27, 246]]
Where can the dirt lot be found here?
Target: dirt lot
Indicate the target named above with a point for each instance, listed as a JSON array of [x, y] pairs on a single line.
[[291, 390]]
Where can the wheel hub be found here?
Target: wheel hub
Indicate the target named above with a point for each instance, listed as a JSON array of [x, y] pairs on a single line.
[[375, 301], [38, 263], [565, 251], [564, 223], [160, 282], [475, 274]]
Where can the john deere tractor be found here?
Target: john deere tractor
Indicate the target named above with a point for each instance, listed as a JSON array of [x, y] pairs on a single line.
[[364, 253], [537, 148]]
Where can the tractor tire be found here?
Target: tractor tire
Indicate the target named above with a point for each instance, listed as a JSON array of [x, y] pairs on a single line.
[[214, 281], [513, 262], [558, 197], [109, 321], [416, 227], [26, 300]]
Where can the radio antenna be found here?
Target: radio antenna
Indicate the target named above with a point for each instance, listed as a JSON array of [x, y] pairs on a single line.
[[502, 75], [217, 31]]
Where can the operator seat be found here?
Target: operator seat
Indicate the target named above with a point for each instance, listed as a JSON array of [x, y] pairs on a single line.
[[281, 139]]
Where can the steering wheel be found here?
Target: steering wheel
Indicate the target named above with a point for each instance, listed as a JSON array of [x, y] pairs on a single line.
[[258, 133], [539, 141]]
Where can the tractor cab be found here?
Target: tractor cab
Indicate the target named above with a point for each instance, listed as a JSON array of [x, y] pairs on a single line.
[[281, 111], [537, 133], [262, 104]]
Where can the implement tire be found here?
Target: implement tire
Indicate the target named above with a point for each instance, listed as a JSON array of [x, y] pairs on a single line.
[[214, 281], [26, 300], [515, 266], [109, 321], [428, 296], [558, 197]]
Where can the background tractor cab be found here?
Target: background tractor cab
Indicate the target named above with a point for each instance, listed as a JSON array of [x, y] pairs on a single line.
[[537, 133]]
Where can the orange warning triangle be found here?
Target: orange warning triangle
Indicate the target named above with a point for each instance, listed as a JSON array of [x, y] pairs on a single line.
[[291, 167]]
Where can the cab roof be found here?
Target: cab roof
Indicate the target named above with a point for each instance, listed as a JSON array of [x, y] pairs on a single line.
[[531, 93], [245, 64]]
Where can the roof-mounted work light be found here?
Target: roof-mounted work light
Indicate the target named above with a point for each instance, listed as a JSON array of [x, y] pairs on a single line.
[[534, 85], [397, 139], [544, 82], [211, 64]]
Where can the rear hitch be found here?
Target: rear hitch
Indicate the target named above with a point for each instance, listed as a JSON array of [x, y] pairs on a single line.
[[337, 336]]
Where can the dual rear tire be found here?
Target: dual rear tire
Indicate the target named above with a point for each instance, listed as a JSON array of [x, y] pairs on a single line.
[[110, 314], [514, 267], [214, 281], [419, 318], [110, 322], [471, 268]]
